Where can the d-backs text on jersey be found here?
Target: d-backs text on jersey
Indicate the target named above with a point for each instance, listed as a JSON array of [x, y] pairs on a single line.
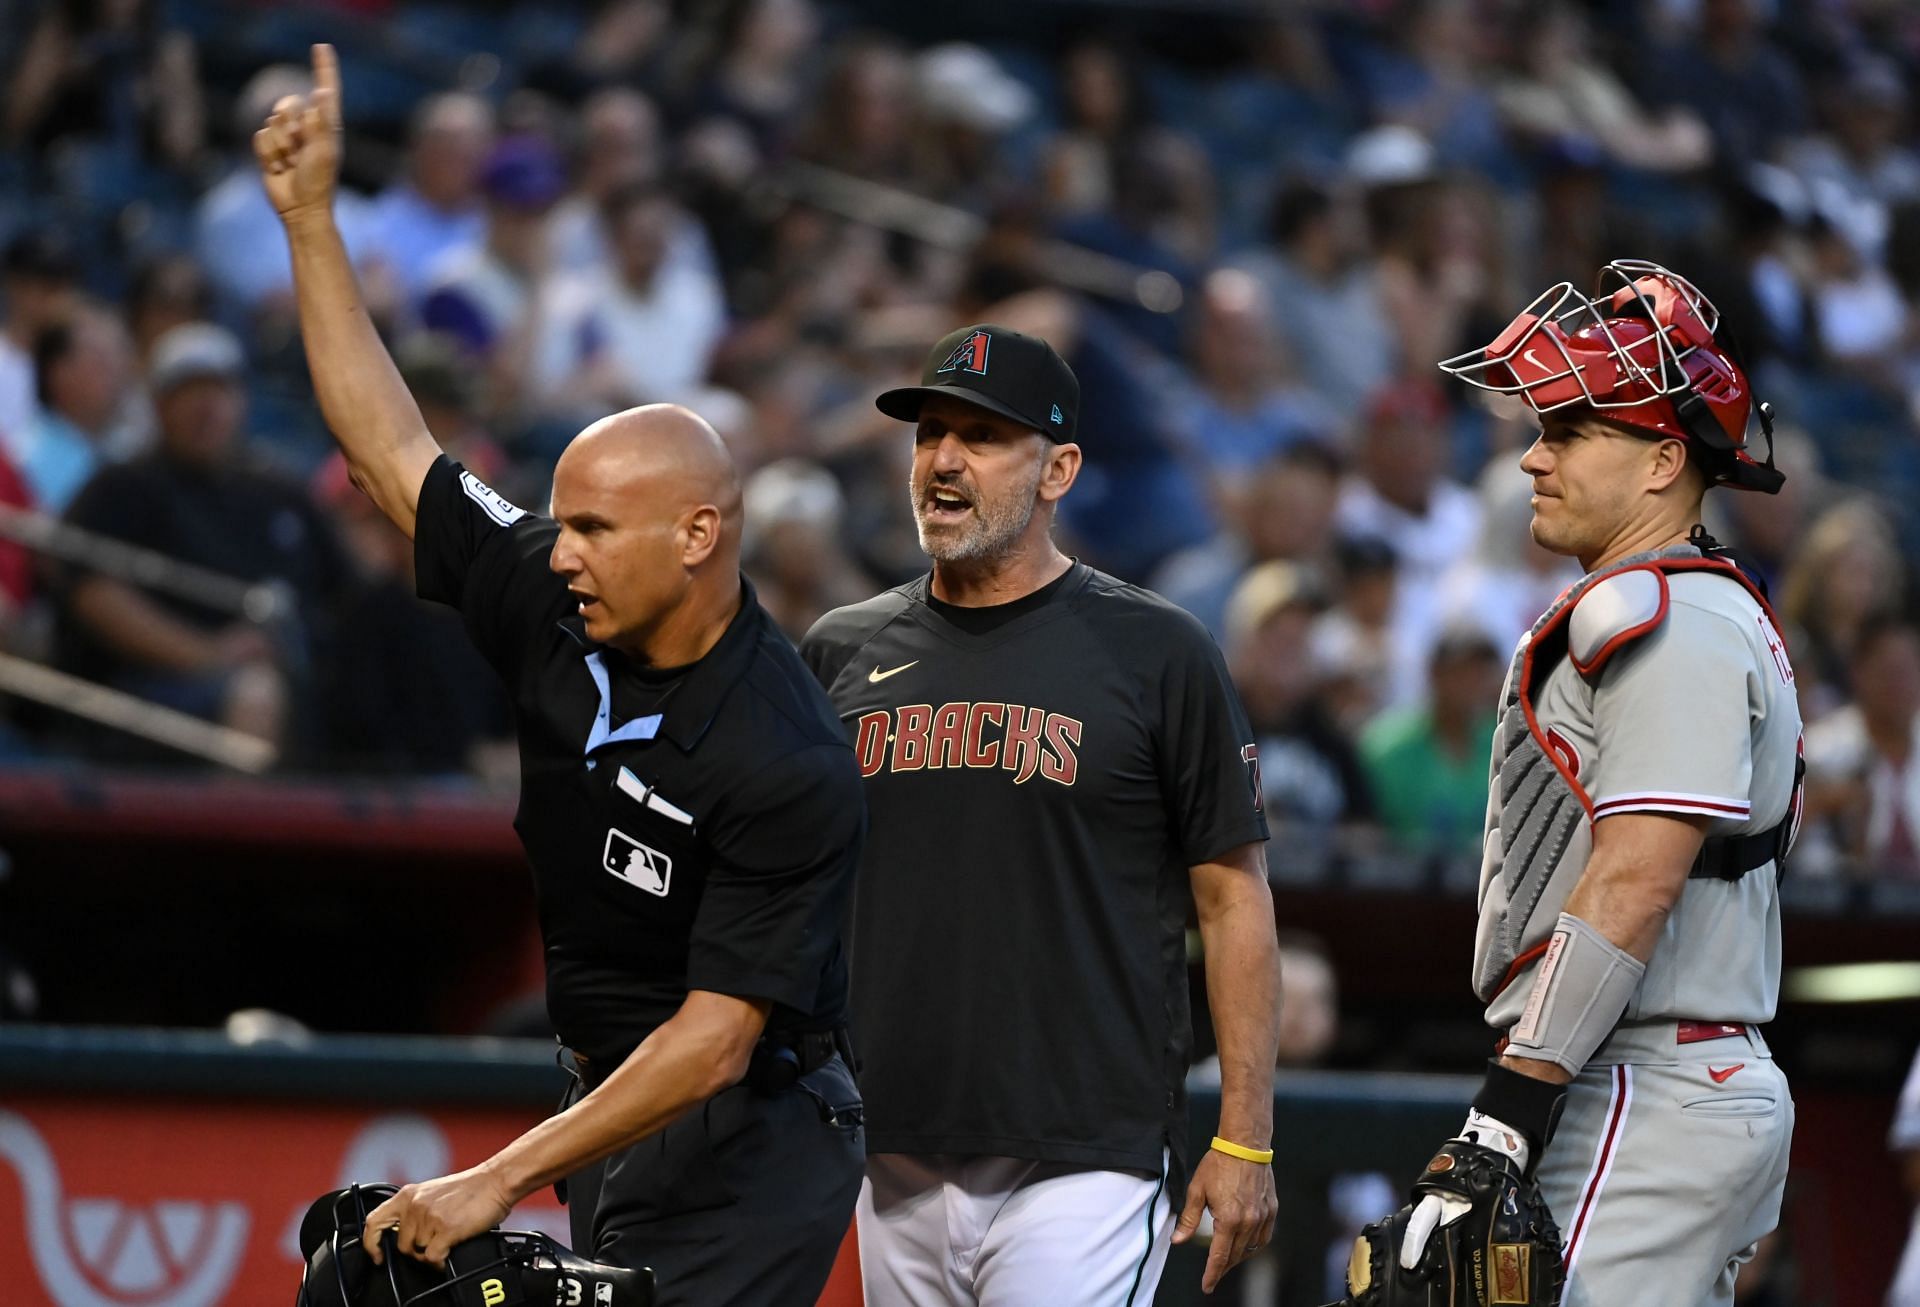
[[1019, 740]]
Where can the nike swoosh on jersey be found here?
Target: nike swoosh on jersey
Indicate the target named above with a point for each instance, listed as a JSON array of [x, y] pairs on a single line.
[[1720, 1074], [876, 676]]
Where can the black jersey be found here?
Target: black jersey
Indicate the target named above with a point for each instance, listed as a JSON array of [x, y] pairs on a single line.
[[692, 831], [1039, 780]]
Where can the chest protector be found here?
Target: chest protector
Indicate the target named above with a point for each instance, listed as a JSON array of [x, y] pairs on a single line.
[[1539, 808]]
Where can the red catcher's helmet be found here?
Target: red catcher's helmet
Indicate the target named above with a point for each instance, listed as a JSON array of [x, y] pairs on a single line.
[[1640, 352]]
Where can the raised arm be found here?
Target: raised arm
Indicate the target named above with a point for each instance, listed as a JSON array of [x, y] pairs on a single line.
[[365, 403]]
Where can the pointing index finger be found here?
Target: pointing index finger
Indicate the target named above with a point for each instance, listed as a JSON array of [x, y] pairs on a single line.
[[326, 83]]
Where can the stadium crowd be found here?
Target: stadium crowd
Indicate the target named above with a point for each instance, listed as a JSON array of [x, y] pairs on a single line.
[[1252, 242]]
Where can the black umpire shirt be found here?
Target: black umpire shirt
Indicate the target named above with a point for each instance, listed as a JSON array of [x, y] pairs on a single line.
[[694, 828], [1040, 777]]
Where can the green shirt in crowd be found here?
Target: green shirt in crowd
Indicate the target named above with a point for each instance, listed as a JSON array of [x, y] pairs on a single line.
[[1429, 799]]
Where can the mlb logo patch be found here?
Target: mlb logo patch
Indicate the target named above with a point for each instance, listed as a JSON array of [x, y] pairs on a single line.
[[636, 863], [970, 355], [491, 502]]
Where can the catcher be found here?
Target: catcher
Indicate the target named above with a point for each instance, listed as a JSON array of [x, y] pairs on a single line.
[[1645, 790]]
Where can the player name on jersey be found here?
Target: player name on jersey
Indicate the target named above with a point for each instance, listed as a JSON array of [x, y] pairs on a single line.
[[1022, 741]]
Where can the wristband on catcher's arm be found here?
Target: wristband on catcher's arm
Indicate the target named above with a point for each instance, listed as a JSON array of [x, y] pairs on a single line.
[[1258, 1156], [1584, 983], [1518, 1100]]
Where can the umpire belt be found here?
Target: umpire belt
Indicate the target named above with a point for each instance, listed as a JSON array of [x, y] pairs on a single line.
[[778, 1060]]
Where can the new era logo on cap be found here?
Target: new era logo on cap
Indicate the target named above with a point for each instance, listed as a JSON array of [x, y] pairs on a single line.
[[1028, 382]]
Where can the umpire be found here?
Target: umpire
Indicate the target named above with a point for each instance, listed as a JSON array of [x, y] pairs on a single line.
[[689, 807]]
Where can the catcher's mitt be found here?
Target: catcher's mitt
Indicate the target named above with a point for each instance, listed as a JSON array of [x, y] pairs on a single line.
[[1506, 1249]]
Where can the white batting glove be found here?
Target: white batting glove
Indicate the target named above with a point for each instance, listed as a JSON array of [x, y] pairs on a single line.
[[1436, 1210]]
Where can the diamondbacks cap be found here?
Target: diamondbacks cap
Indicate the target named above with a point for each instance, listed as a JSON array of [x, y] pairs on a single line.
[[1003, 371]]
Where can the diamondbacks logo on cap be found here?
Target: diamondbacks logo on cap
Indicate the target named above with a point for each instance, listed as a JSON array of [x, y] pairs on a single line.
[[1055, 417], [970, 355]]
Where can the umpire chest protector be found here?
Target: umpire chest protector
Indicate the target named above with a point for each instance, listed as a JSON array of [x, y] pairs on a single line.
[[1561, 754]]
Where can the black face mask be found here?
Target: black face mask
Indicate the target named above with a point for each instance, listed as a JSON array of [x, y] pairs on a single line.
[[501, 1268]]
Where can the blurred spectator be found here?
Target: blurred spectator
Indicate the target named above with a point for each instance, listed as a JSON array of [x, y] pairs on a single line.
[[1309, 771], [16, 564], [1161, 218], [791, 545], [408, 693], [1371, 658], [1437, 250], [1427, 766], [1848, 570], [485, 297], [1863, 155], [644, 334], [236, 232], [436, 209], [1863, 786], [1861, 322], [1507, 581], [1325, 297], [1760, 279], [1562, 93], [199, 499], [1103, 108], [38, 280], [626, 42], [1309, 1010], [166, 291], [1280, 509], [81, 367], [1241, 407], [1577, 226], [1438, 81], [109, 71], [861, 122], [1732, 77], [451, 399], [620, 146], [1310, 1015], [759, 77], [967, 103], [1401, 494]]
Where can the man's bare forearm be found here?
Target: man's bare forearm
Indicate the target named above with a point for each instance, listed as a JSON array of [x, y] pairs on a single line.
[[682, 1064], [1243, 988], [362, 397], [140, 630]]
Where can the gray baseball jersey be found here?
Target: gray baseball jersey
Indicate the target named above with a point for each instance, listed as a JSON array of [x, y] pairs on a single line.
[[1658, 685]]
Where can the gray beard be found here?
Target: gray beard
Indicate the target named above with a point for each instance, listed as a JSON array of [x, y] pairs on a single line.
[[990, 535]]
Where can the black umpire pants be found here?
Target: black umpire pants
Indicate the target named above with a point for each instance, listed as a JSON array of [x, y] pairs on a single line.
[[741, 1203]]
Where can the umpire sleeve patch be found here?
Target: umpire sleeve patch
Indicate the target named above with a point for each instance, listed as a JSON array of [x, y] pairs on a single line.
[[490, 500]]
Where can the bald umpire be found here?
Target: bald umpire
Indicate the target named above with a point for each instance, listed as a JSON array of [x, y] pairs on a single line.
[[690, 808]]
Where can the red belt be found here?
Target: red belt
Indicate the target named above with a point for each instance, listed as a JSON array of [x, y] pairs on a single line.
[[1684, 1032]]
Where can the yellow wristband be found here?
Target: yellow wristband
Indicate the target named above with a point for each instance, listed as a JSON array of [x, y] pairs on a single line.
[[1259, 1156]]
